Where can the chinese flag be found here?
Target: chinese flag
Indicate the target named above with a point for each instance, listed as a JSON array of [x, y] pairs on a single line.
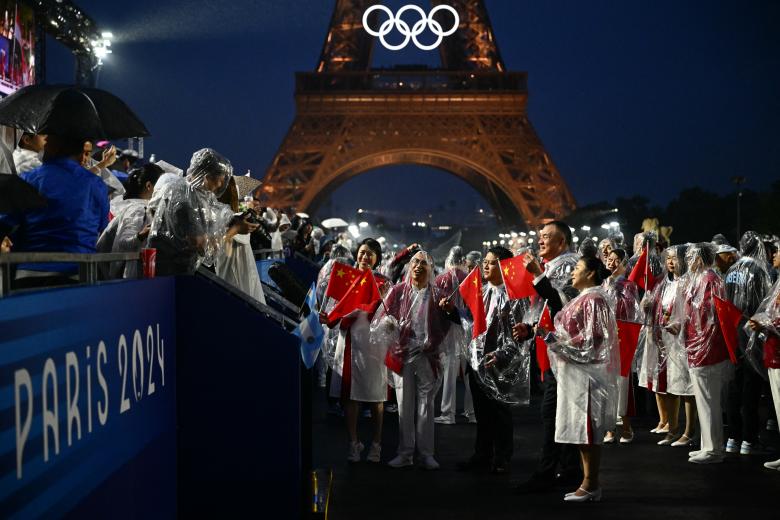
[[518, 281], [362, 295], [541, 355], [729, 317], [546, 321], [471, 291], [628, 338], [641, 272], [341, 277]]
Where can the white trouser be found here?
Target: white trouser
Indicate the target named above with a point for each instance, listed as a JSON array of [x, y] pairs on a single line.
[[774, 384], [450, 367], [418, 389], [708, 382]]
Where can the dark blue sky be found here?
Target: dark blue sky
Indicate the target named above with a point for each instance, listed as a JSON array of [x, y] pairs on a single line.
[[628, 97]]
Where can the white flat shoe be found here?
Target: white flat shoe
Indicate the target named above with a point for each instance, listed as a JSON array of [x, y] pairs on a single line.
[[775, 465], [589, 496], [683, 441]]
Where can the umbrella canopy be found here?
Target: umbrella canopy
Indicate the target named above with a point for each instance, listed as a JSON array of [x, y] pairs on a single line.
[[334, 222], [70, 111], [16, 196], [245, 184]]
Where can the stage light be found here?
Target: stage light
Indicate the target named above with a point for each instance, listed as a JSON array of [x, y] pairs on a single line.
[[354, 231], [585, 228], [614, 224], [363, 224]]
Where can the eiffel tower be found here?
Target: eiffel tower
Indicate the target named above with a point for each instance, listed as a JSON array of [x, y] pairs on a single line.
[[468, 118]]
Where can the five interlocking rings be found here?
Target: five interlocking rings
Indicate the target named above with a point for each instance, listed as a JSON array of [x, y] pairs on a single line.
[[403, 27]]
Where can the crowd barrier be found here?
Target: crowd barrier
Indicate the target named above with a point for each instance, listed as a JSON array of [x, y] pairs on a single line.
[[148, 398]]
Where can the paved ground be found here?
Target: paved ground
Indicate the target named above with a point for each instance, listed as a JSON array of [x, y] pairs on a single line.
[[641, 480]]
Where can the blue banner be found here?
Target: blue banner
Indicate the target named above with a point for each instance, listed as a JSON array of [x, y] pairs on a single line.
[[87, 387]]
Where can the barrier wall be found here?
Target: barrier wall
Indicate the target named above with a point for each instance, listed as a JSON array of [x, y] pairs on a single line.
[[146, 398]]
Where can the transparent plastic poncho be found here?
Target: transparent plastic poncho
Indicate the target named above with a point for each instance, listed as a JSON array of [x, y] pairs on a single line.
[[508, 380], [585, 359], [763, 349], [190, 224], [558, 271], [411, 325], [695, 315], [748, 280], [668, 325], [447, 283]]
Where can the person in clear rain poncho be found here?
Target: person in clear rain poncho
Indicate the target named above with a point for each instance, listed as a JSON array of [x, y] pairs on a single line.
[[498, 371], [412, 325], [624, 300], [648, 240], [130, 226], [705, 345], [764, 343], [668, 339], [747, 284], [559, 463], [359, 374], [190, 226], [454, 344], [584, 356]]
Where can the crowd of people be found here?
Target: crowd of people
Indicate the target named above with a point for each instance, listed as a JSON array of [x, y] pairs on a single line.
[[420, 337], [102, 200], [425, 333]]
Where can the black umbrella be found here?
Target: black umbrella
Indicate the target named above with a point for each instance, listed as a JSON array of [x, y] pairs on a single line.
[[16, 196], [70, 111]]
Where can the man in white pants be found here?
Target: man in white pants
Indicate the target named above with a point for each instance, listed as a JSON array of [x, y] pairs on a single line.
[[706, 350]]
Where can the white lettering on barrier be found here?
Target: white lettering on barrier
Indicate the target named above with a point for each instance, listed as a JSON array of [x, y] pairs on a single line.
[[22, 379], [143, 382]]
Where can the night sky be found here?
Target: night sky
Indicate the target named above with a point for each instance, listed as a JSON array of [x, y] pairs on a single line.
[[628, 97]]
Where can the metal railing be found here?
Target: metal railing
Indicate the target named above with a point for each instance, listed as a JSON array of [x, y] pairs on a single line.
[[410, 81], [88, 264]]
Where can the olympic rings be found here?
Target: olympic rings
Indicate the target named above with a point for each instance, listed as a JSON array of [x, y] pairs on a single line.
[[410, 34]]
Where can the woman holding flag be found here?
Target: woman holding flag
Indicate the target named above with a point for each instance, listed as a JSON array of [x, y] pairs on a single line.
[[359, 374], [624, 299], [584, 356]]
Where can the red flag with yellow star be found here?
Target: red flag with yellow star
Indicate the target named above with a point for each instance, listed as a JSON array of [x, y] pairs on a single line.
[[362, 295], [341, 277], [471, 291], [518, 281]]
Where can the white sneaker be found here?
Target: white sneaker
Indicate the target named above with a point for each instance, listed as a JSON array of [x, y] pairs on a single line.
[[374, 452], [694, 453], [775, 464], [751, 448], [355, 449], [428, 462], [400, 461], [707, 457], [609, 437], [444, 419], [732, 446]]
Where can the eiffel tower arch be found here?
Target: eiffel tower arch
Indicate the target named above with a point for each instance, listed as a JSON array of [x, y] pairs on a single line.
[[468, 118]]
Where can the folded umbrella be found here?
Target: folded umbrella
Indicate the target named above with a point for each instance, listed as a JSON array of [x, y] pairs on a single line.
[[16, 196], [70, 111]]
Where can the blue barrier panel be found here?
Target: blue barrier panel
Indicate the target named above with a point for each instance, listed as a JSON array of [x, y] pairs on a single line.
[[238, 407], [87, 401]]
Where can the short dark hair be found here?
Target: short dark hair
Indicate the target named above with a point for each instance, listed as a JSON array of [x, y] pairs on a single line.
[[594, 265], [620, 253], [562, 228], [374, 246], [501, 252]]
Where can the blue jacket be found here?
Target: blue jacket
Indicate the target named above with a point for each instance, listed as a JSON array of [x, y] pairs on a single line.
[[76, 214]]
